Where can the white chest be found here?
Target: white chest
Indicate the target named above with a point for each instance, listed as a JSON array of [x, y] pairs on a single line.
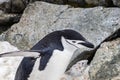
[[55, 67]]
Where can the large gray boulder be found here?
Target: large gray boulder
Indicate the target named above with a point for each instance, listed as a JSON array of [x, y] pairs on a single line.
[[105, 64], [41, 18]]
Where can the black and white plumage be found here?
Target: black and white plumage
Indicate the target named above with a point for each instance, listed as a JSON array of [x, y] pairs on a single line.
[[53, 53]]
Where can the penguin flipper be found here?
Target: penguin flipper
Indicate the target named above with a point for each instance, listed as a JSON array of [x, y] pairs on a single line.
[[25, 68], [44, 60], [21, 53]]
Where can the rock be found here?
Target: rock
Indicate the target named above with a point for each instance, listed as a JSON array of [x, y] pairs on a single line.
[[79, 71], [116, 2], [13, 6], [41, 18], [6, 20], [100, 2], [8, 65], [113, 36], [106, 62], [2, 1], [9, 19], [18, 5], [93, 2]]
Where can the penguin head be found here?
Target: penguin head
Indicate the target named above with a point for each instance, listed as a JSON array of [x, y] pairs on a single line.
[[53, 41], [76, 39]]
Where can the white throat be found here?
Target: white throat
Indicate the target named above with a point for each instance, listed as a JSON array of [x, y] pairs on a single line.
[[57, 64]]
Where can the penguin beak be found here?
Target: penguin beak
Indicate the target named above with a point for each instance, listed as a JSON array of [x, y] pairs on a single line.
[[21, 53], [81, 44], [87, 44]]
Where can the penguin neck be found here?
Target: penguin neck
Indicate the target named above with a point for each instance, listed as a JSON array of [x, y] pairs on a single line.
[[68, 46], [58, 62]]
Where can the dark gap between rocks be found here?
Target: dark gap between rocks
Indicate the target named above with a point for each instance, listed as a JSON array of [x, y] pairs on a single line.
[[8, 21], [82, 3], [113, 36]]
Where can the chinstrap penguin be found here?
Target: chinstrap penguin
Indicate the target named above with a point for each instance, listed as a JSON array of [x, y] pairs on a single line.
[[50, 56]]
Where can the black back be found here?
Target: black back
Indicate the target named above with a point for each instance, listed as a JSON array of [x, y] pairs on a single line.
[[45, 46]]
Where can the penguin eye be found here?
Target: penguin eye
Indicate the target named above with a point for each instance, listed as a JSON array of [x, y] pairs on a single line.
[[74, 41]]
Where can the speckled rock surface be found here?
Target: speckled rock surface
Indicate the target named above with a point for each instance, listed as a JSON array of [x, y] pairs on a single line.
[[79, 71], [8, 65], [105, 65]]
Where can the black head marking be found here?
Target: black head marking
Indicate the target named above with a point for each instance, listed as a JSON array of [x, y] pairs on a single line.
[[74, 41], [72, 35], [53, 40]]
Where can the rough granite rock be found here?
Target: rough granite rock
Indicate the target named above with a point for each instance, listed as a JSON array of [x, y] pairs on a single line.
[[106, 62], [41, 18], [79, 71], [8, 65]]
